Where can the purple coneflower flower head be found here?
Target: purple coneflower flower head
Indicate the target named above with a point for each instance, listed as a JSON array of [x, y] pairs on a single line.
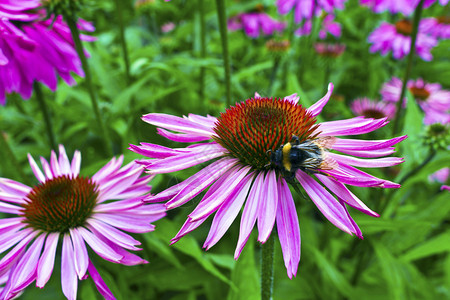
[[406, 7], [244, 148], [440, 176], [397, 38], [76, 210], [254, 23], [45, 49], [168, 27], [17, 9], [328, 26], [329, 49], [434, 101], [306, 9], [373, 109], [437, 27]]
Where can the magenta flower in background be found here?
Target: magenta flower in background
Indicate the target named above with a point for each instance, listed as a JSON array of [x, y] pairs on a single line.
[[77, 210], [405, 7], [434, 101], [243, 173], [37, 51], [373, 109], [306, 9], [397, 38], [328, 26], [437, 27], [329, 49], [441, 176], [168, 27], [255, 22]]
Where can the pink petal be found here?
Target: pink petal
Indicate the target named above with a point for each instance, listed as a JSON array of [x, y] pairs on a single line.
[[317, 107], [76, 163], [69, 280], [288, 228], [114, 235], [99, 283], [176, 124], [250, 213], [267, 207], [102, 249], [325, 202], [227, 212], [367, 163], [34, 167], [47, 260], [81, 257]]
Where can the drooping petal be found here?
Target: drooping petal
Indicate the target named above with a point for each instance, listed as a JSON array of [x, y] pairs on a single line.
[[47, 260], [367, 163], [250, 213], [267, 208], [228, 212], [317, 107], [325, 202], [98, 246], [99, 283], [114, 235], [69, 280], [176, 124], [81, 257], [288, 228]]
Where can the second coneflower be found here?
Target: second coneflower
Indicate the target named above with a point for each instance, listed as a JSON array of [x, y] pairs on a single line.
[[249, 149]]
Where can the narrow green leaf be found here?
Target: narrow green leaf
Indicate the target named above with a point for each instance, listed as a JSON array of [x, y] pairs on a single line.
[[436, 245]]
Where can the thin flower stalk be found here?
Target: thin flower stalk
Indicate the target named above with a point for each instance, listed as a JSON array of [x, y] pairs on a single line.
[[222, 16]]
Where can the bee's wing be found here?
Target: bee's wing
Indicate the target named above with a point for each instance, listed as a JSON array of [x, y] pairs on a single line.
[[328, 163], [311, 163], [309, 146], [325, 142]]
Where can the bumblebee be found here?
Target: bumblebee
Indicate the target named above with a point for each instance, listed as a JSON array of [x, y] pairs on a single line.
[[308, 156]]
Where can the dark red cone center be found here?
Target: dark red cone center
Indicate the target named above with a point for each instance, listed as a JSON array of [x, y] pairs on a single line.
[[251, 128], [60, 203]]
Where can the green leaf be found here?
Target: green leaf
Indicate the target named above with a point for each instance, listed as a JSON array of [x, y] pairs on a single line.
[[245, 275], [436, 245]]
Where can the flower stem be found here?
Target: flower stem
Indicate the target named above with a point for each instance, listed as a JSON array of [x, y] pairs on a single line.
[[267, 268], [221, 14], [9, 155], [48, 121], [414, 171], [123, 41], [273, 75], [202, 49], [70, 19], [415, 27]]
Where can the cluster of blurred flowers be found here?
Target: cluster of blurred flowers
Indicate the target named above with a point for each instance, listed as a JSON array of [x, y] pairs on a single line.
[[35, 48], [397, 37]]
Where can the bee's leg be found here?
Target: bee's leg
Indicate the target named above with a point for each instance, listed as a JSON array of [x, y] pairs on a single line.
[[295, 140], [316, 171]]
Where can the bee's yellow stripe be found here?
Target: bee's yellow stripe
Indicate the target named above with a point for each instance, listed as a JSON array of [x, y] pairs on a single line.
[[286, 151]]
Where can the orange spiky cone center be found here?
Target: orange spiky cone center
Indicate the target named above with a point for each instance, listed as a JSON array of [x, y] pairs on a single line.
[[251, 128], [60, 203], [404, 27], [419, 93]]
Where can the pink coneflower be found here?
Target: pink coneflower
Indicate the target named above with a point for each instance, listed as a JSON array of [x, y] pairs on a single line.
[[38, 51], [76, 210], [437, 27], [405, 7], [397, 38], [247, 165], [433, 100], [373, 109], [441, 176], [306, 9], [328, 26], [329, 49], [255, 22], [168, 27]]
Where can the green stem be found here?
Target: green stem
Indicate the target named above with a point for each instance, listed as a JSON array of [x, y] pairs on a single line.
[[273, 75], [48, 121], [414, 171], [70, 19], [9, 155], [267, 268], [202, 50], [415, 26], [123, 41], [221, 13]]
